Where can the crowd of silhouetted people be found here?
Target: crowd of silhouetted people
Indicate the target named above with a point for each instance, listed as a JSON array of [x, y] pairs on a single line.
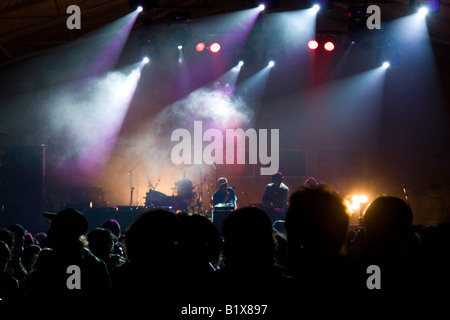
[[165, 263]]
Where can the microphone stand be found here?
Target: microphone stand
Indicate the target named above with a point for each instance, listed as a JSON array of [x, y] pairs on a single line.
[[246, 195], [131, 186], [215, 169], [130, 172], [200, 197]]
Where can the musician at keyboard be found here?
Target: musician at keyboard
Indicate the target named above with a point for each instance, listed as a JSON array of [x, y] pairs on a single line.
[[224, 194]]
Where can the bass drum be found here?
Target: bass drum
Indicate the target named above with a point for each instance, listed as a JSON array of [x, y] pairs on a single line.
[[155, 199]]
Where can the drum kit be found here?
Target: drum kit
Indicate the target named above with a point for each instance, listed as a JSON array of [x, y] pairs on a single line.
[[185, 197]]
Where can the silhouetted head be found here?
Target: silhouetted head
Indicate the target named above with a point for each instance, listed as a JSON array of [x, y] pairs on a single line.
[[387, 221], [5, 255], [316, 220], [203, 241], [222, 183], [155, 238], [19, 237], [101, 242], [66, 226], [7, 236], [277, 178], [113, 226], [28, 239], [248, 238]]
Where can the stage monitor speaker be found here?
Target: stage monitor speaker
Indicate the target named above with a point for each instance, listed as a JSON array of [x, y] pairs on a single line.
[[219, 214]]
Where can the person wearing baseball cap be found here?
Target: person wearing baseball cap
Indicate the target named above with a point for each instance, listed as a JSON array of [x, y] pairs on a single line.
[[66, 247], [224, 194], [70, 222]]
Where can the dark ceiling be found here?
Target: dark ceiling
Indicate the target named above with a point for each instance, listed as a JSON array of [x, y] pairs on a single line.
[[32, 27]]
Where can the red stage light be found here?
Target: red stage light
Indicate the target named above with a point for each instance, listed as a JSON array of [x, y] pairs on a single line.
[[215, 47], [329, 46], [313, 44], [200, 46]]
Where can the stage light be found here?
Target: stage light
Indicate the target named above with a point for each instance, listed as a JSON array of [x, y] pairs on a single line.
[[145, 60], [423, 11], [386, 65], [143, 5], [269, 4], [261, 7], [200, 46], [313, 44], [271, 63], [425, 7], [215, 47], [180, 47], [238, 67], [315, 8], [329, 46], [356, 206]]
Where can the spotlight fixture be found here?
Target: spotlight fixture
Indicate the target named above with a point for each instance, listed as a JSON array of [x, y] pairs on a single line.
[[271, 63], [200, 47], [261, 7], [268, 4], [328, 46], [145, 60], [238, 67], [318, 5], [386, 65], [423, 11], [180, 47], [424, 7], [144, 5], [215, 47], [313, 44], [326, 40]]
